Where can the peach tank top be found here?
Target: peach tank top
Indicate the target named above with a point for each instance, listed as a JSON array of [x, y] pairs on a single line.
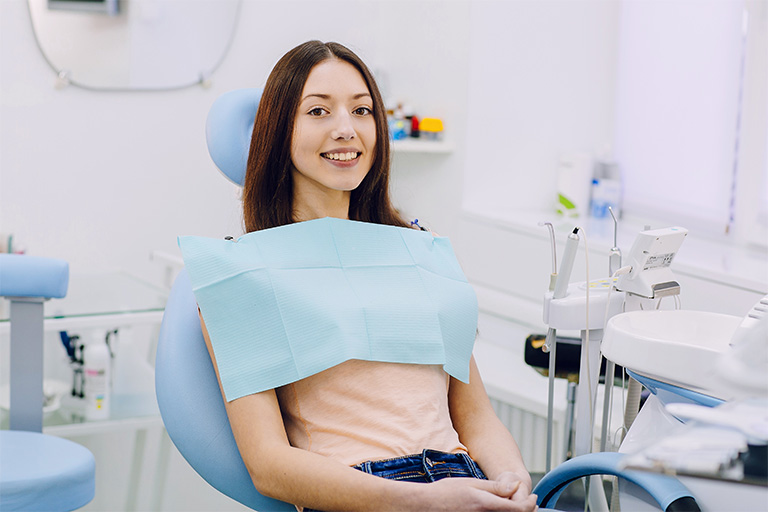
[[365, 410]]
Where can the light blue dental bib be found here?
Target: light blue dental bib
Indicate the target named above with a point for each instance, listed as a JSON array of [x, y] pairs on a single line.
[[285, 303]]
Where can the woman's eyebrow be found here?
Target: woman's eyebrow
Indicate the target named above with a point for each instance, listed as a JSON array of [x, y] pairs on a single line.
[[327, 96], [321, 96]]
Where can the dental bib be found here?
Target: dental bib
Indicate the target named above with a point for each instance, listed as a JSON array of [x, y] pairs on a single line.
[[285, 303]]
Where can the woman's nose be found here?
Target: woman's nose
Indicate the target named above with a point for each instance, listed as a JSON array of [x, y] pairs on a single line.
[[343, 128]]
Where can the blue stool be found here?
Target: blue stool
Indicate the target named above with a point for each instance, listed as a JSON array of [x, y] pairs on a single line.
[[37, 472]]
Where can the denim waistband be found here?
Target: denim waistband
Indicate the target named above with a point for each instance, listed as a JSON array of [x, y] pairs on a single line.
[[428, 466]]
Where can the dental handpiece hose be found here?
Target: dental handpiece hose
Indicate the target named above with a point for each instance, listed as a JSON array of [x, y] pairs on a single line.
[[550, 347], [551, 342], [561, 286], [614, 255]]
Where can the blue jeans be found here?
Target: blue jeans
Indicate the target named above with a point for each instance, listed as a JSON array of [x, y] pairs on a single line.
[[428, 466]]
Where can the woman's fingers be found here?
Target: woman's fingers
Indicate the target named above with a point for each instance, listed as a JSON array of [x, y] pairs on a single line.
[[505, 489], [460, 494]]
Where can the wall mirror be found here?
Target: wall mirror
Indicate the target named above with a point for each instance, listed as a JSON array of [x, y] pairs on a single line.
[[134, 44]]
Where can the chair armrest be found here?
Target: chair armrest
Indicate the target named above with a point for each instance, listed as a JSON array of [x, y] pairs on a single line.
[[666, 490]]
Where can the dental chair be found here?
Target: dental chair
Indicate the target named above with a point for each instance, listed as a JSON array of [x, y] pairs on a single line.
[[37, 471], [188, 393]]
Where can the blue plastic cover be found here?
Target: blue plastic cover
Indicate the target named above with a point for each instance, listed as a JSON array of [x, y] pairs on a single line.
[[285, 303], [670, 394], [663, 489], [32, 276], [43, 473], [190, 402], [228, 130]]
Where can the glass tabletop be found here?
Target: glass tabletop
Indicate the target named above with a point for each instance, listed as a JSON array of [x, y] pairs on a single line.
[[124, 408], [101, 294], [91, 298]]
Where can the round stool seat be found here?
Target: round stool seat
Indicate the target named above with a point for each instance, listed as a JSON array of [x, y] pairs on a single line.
[[41, 472]]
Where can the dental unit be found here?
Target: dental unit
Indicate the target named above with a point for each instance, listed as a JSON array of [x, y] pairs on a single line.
[[586, 306], [706, 372]]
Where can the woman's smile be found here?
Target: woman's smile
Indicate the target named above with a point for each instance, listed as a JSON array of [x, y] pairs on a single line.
[[342, 158]]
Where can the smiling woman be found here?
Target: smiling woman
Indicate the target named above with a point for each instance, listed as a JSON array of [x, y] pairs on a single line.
[[344, 349], [325, 91]]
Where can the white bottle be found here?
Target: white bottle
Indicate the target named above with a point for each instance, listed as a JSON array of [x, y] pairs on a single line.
[[96, 369], [574, 172], [606, 190]]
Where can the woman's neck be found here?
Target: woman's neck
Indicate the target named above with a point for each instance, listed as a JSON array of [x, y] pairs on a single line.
[[310, 206]]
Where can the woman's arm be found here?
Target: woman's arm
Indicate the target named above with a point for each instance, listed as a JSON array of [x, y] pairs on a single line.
[[489, 442], [297, 476]]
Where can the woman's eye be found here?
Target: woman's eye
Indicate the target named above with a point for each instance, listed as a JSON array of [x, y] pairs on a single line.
[[317, 111], [362, 111]]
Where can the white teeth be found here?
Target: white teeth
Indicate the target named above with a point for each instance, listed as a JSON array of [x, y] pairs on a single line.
[[344, 157]]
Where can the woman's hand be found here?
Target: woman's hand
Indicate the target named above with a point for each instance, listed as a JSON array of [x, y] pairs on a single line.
[[523, 492], [471, 494]]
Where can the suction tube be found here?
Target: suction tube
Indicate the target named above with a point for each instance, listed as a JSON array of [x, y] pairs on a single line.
[[634, 389], [610, 369]]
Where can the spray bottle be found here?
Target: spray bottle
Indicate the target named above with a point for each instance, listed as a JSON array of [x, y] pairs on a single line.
[[96, 369]]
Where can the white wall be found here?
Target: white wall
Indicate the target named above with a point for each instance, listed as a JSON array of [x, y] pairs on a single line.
[[542, 78]]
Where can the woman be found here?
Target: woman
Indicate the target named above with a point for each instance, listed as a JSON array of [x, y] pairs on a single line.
[[320, 149]]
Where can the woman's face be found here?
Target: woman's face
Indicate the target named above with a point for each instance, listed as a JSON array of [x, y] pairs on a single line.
[[334, 134]]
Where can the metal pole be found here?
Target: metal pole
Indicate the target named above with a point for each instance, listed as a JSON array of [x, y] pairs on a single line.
[[26, 404], [552, 344]]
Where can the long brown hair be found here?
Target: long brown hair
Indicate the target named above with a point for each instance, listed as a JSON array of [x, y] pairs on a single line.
[[268, 187]]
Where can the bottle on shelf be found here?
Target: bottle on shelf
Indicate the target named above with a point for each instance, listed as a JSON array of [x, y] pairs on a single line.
[[97, 375]]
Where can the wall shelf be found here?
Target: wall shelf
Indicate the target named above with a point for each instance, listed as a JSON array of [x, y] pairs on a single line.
[[411, 145]]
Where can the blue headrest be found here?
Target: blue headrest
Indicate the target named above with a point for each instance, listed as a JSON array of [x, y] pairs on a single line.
[[228, 131], [31, 276]]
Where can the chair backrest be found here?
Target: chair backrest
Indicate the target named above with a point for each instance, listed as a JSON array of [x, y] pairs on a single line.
[[188, 392]]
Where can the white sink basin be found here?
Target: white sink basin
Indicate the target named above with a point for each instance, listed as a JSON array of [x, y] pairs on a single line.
[[677, 347]]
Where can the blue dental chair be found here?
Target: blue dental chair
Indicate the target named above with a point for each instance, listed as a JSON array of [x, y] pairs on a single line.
[[187, 389], [37, 471]]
